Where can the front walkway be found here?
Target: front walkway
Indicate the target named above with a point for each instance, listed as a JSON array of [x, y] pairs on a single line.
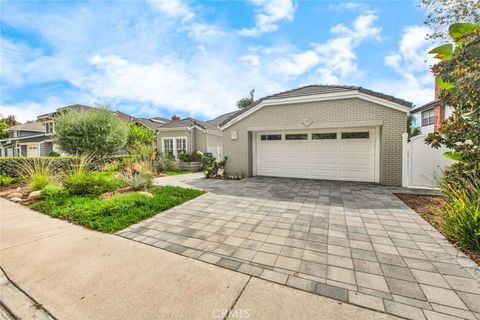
[[80, 274], [353, 242]]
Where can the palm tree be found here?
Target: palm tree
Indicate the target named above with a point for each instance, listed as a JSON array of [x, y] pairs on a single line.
[[245, 102]]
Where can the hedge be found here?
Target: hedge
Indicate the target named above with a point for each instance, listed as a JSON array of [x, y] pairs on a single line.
[[9, 165]]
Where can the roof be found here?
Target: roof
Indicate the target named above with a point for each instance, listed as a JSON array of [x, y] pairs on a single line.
[[73, 106], [124, 117], [426, 106], [190, 122], [317, 89], [28, 126], [35, 139], [149, 123], [160, 119], [216, 121]]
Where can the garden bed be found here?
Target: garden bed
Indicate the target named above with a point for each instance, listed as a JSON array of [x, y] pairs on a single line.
[[429, 207]]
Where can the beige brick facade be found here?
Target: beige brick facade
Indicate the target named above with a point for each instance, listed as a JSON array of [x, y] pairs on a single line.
[[352, 112]]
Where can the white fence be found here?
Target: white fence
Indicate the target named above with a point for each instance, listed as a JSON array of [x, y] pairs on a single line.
[[422, 163], [216, 152]]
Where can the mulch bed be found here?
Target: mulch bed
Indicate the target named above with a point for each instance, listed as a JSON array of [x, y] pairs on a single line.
[[429, 208]]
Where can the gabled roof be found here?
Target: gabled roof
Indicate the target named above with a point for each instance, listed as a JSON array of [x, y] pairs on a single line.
[[426, 106], [160, 119], [153, 125], [190, 122], [317, 89], [216, 121], [124, 117], [29, 126], [55, 113]]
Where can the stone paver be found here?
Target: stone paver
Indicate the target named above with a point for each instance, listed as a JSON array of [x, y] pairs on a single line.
[[354, 242]]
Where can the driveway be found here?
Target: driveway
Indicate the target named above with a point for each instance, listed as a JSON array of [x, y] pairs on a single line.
[[354, 242]]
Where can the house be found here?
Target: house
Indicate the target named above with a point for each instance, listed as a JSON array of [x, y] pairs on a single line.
[[188, 136], [28, 140], [430, 115], [319, 132], [35, 139]]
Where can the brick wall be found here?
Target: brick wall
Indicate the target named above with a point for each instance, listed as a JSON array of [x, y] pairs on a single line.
[[327, 114]]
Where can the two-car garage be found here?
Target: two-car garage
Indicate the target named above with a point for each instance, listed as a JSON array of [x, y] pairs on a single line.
[[329, 132], [333, 154]]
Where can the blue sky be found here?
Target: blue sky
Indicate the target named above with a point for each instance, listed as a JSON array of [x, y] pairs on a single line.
[[157, 58]]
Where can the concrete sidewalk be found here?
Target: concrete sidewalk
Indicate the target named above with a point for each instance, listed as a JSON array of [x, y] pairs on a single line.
[[81, 274]]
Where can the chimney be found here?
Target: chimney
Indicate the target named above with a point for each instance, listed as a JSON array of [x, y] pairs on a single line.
[[437, 92], [175, 117]]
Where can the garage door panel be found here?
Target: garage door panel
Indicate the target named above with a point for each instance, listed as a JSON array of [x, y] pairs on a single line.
[[334, 159]]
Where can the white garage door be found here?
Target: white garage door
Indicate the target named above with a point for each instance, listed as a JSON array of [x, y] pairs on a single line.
[[338, 154]]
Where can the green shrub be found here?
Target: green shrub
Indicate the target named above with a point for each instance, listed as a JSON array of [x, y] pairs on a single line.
[[51, 191], [138, 181], [212, 168], [38, 181], [53, 154], [95, 131], [9, 165], [5, 181], [92, 183], [461, 214]]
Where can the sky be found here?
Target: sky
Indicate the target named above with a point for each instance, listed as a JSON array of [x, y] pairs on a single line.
[[197, 58]]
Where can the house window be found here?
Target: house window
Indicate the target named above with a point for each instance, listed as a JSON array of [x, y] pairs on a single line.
[[321, 136], [355, 135], [269, 137], [428, 117], [48, 127], [168, 146], [181, 145], [299, 136]]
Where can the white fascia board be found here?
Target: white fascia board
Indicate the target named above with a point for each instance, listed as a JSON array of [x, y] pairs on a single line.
[[215, 133], [318, 97]]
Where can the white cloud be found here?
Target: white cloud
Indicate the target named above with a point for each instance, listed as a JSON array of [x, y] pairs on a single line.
[[296, 64], [348, 6], [26, 111], [269, 14], [412, 62], [173, 8]]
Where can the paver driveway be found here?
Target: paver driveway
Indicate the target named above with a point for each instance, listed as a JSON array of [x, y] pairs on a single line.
[[354, 242]]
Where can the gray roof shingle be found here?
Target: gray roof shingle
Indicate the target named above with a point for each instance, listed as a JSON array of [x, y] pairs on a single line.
[[28, 126], [318, 89]]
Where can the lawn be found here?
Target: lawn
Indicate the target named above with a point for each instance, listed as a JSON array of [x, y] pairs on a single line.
[[116, 213]]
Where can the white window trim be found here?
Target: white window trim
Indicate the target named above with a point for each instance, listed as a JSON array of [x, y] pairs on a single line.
[[318, 97], [421, 117], [174, 144]]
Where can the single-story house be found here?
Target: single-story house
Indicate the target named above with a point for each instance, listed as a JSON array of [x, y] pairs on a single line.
[[319, 132], [189, 135], [430, 115]]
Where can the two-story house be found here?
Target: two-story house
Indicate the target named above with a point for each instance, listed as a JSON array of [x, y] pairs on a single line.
[[429, 116], [27, 140]]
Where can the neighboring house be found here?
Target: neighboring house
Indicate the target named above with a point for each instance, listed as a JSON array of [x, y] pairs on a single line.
[[430, 115], [35, 139], [319, 132], [28, 140], [188, 136]]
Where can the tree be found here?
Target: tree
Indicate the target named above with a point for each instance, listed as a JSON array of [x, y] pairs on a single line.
[[97, 131], [245, 102], [411, 129], [443, 13], [458, 76], [139, 135], [3, 127], [10, 120]]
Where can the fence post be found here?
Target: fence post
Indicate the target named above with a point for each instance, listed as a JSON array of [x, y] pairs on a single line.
[[405, 160]]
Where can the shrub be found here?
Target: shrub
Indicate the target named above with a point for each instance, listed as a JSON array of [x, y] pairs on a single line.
[[462, 215], [211, 167], [92, 183], [139, 135], [163, 162], [53, 154], [96, 131], [38, 181], [36, 172], [138, 181], [5, 181], [185, 157], [58, 165], [51, 191]]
